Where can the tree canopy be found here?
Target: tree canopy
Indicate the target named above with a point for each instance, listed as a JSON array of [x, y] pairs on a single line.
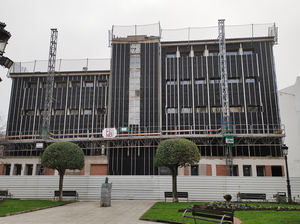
[[62, 156], [174, 153]]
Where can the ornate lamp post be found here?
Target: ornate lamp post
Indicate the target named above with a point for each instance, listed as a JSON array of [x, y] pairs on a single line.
[[285, 153], [4, 37]]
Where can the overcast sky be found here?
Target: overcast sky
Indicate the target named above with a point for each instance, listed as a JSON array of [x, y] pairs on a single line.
[[83, 25]]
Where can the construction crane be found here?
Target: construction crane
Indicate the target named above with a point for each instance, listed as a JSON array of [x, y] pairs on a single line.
[[49, 85], [226, 120]]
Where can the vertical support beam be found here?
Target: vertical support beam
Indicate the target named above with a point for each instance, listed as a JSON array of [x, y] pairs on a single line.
[[49, 84], [193, 87], [178, 88]]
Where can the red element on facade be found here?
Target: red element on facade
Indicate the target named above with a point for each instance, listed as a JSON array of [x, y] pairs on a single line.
[[1, 169], [49, 171], [98, 169], [268, 171], [221, 170], [186, 171], [82, 171], [208, 170]]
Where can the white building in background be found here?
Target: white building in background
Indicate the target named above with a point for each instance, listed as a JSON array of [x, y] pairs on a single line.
[[289, 104]]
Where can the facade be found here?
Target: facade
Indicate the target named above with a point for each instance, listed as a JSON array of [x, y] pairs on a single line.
[[155, 89], [289, 101]]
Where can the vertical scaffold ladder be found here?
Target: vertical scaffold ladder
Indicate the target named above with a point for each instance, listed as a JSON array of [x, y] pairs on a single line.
[[49, 85], [226, 125]]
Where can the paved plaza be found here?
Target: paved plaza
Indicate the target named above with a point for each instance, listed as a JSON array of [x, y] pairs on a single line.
[[122, 211]]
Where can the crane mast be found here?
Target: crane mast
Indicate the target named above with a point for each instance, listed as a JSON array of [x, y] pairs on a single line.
[[226, 121], [49, 85]]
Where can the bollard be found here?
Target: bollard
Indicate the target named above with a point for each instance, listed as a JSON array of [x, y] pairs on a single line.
[[105, 200]]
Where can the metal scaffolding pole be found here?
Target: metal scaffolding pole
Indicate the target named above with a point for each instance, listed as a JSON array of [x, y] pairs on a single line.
[[49, 85]]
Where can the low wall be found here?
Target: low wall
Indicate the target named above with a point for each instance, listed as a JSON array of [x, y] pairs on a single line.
[[147, 187]]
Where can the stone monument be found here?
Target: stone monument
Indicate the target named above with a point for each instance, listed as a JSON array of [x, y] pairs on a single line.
[[105, 200]]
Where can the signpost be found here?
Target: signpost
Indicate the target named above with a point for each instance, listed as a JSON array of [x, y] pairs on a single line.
[[229, 140], [124, 129], [109, 133]]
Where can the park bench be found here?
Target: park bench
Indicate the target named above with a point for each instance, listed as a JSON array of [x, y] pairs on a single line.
[[179, 195], [5, 193], [217, 215], [251, 196], [67, 194]]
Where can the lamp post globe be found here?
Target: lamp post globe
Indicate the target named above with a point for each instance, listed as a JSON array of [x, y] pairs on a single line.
[[4, 37]]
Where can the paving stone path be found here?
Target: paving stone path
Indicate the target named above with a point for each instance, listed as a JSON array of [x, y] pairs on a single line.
[[122, 211]]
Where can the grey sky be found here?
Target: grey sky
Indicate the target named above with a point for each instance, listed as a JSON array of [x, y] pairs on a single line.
[[83, 25]]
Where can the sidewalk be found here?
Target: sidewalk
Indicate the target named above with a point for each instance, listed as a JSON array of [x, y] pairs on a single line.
[[122, 211]]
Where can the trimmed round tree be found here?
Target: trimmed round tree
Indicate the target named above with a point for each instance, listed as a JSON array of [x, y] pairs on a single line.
[[174, 153], [61, 156]]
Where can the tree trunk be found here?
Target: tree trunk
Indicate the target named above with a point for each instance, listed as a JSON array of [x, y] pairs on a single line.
[[174, 184], [61, 179]]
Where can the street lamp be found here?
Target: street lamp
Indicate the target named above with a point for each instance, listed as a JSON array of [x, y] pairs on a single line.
[[4, 37], [285, 153]]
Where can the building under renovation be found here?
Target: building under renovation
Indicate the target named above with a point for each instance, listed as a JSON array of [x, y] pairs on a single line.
[[217, 89]]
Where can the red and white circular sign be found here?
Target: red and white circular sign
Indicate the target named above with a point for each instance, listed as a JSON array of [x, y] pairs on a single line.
[[109, 133]]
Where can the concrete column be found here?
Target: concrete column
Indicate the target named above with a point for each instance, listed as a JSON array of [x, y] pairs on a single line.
[[254, 173], [241, 173], [34, 169], [23, 169], [12, 165], [214, 172]]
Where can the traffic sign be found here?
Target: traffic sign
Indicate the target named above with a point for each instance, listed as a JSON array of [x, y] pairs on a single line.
[[109, 133]]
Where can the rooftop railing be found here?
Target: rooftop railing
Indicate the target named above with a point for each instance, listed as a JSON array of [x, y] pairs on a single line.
[[62, 65]]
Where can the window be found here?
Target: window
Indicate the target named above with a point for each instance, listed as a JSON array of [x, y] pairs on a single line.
[[73, 112], [164, 170], [213, 53], [248, 52], [59, 112], [233, 80], [171, 110], [250, 80], [276, 171], [31, 85], [247, 170], [261, 171], [137, 93], [201, 109], [185, 82], [60, 85], [186, 110], [172, 55], [100, 111], [28, 112], [171, 83], [87, 111], [28, 169], [40, 170], [216, 109], [7, 169], [200, 81], [235, 170], [214, 81], [74, 84], [88, 84], [17, 169], [231, 53], [236, 109], [195, 170], [101, 83], [252, 108]]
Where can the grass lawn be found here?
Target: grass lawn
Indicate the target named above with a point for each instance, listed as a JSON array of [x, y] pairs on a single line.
[[168, 211], [13, 206]]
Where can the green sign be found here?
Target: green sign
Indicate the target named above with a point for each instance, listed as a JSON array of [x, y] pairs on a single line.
[[124, 129], [229, 140]]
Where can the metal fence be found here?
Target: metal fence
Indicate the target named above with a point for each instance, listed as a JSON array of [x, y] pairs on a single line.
[[62, 65], [148, 187], [195, 33]]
